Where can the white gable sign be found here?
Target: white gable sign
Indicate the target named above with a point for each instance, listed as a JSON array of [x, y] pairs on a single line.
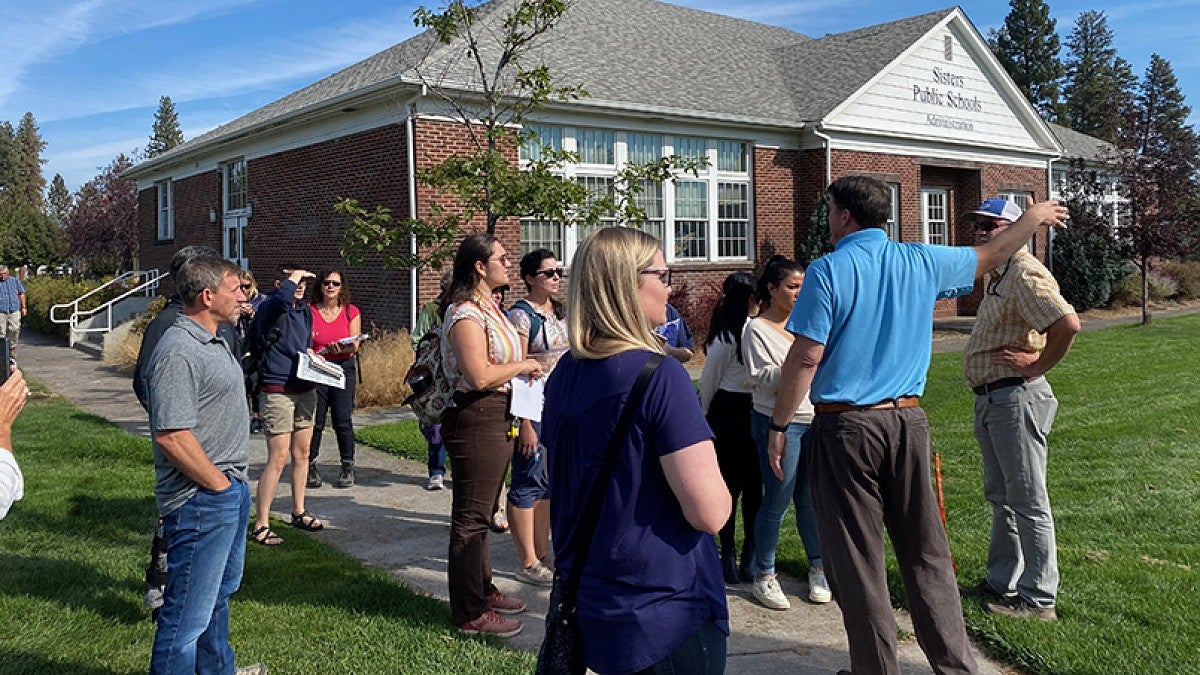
[[940, 90]]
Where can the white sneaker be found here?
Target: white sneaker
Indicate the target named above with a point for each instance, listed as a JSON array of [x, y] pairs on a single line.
[[767, 591], [536, 574], [818, 586], [435, 482], [548, 560]]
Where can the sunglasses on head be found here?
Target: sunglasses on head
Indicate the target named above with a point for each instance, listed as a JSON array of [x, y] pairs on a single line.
[[331, 282], [549, 274]]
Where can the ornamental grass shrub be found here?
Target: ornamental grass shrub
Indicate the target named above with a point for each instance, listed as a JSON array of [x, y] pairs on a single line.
[[1186, 274], [383, 361]]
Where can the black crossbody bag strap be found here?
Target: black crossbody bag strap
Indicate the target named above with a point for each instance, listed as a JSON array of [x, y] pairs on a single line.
[[585, 531]]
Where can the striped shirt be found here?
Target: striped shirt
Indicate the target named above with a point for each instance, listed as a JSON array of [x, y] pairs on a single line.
[[504, 342], [1020, 301]]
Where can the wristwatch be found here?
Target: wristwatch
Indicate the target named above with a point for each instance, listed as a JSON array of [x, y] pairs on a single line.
[[781, 428]]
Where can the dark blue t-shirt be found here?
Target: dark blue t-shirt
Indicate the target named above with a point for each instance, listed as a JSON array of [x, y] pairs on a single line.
[[651, 579]]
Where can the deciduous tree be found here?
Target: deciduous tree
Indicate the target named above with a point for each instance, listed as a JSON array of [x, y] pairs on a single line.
[[102, 225]]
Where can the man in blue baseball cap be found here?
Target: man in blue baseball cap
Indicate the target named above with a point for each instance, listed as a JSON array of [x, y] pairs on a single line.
[[1022, 329]]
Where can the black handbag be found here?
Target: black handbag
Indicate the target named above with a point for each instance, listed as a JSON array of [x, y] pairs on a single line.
[[561, 652]]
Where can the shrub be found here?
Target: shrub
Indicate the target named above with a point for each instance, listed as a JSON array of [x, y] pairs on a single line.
[[123, 354], [695, 300], [1129, 291], [1087, 257], [383, 361], [43, 292], [1186, 275]]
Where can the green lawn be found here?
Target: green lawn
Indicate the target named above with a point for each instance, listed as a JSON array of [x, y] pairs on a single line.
[[1124, 472], [72, 562]]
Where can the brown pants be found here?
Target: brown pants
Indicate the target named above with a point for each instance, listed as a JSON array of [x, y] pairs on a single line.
[[870, 470], [474, 435]]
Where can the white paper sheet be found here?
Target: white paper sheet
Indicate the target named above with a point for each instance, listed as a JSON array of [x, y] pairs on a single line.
[[527, 397], [316, 369]]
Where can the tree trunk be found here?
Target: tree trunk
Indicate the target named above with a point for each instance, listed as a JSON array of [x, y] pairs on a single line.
[[1145, 265]]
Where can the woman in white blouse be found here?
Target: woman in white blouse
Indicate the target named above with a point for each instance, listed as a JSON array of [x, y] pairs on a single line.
[[765, 345], [725, 399]]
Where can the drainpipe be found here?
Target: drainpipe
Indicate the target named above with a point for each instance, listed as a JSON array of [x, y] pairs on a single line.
[[412, 208], [828, 151], [1050, 230]]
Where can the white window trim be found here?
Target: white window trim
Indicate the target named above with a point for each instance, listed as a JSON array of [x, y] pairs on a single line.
[[925, 193], [225, 166], [165, 192], [892, 225], [710, 175]]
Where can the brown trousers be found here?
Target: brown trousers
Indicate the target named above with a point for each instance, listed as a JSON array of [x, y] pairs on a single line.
[[870, 470], [474, 435]]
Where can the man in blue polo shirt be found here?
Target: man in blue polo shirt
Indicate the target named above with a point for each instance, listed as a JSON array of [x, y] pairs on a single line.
[[863, 326], [12, 308]]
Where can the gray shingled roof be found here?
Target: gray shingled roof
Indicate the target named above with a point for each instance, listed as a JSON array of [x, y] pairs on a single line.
[[1081, 146], [642, 54]]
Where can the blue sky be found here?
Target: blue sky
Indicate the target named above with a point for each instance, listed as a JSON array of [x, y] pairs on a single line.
[[92, 71]]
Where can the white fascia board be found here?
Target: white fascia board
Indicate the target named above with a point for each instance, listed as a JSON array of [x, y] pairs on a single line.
[[925, 148], [757, 136], [337, 124]]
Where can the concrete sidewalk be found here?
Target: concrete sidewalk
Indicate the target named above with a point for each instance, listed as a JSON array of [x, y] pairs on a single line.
[[390, 522]]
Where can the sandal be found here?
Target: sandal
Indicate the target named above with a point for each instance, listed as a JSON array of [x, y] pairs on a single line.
[[266, 536], [306, 521]]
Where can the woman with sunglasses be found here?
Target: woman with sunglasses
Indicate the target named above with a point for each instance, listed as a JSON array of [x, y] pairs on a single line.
[[334, 319], [540, 320], [249, 309], [650, 592]]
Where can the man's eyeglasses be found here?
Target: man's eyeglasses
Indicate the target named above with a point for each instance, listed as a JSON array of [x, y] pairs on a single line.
[[331, 282], [550, 274], [988, 225], [663, 274]]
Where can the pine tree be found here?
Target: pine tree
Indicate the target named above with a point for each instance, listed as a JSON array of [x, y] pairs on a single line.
[[29, 183], [8, 159], [167, 133], [58, 200], [1099, 84], [1028, 46]]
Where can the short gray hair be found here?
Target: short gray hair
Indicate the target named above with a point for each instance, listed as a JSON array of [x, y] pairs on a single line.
[[200, 274], [188, 253], [3, 268]]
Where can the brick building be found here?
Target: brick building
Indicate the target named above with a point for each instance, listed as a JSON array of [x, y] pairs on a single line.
[[920, 103]]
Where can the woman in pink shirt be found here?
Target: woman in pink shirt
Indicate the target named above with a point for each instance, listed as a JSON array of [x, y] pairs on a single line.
[[334, 319]]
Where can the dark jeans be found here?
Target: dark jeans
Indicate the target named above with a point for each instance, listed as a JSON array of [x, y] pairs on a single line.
[[474, 433], [870, 470], [437, 451], [341, 403], [729, 417], [703, 653]]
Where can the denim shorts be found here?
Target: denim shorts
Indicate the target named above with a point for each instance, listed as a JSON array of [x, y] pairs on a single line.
[[530, 481]]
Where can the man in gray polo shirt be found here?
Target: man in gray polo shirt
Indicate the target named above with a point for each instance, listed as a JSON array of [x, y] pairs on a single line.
[[201, 449]]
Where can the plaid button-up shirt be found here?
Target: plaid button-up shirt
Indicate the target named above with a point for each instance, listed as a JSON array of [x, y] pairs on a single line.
[[1020, 301]]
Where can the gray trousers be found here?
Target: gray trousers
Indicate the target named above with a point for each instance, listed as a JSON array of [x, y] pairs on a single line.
[[1011, 425], [10, 325], [870, 470]]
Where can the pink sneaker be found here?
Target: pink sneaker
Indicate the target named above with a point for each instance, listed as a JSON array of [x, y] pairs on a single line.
[[502, 604], [491, 623]]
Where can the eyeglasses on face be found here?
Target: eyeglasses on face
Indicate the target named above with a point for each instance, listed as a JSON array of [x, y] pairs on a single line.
[[331, 282], [988, 225], [663, 274], [549, 274], [246, 287]]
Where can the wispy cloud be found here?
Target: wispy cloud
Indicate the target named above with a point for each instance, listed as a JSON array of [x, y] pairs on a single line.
[[33, 33]]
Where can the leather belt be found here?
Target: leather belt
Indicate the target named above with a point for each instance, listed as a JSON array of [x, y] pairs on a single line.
[[1003, 382], [890, 404]]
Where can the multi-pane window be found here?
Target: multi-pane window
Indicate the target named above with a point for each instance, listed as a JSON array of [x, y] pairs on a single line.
[[166, 210], [650, 200], [691, 148], [643, 148], [691, 219], [598, 187], [234, 174], [892, 226], [596, 146], [733, 219], [933, 206], [537, 234], [542, 138], [731, 156], [1021, 199]]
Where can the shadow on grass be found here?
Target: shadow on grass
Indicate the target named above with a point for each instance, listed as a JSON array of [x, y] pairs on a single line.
[[72, 584], [12, 661], [108, 521]]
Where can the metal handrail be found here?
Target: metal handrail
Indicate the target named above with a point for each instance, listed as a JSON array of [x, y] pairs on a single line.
[[148, 287]]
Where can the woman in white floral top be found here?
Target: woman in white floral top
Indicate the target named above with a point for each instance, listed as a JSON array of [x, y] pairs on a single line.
[[540, 320], [483, 353]]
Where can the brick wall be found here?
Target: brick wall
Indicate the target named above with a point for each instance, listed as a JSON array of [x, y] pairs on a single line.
[[193, 197]]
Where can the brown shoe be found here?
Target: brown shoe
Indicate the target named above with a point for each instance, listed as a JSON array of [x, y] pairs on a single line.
[[1020, 608], [491, 623], [982, 590], [502, 604]]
